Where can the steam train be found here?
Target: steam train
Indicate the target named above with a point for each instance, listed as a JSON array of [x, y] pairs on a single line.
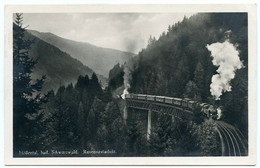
[[209, 110]]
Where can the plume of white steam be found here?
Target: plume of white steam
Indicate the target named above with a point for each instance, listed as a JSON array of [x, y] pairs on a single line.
[[128, 68], [124, 93], [219, 113], [226, 57]]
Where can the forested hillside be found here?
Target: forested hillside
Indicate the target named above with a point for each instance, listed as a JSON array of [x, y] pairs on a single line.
[[178, 64], [101, 60], [57, 65]]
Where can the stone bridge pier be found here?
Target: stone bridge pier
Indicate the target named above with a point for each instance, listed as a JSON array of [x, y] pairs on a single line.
[[156, 107], [149, 124], [125, 115], [149, 121]]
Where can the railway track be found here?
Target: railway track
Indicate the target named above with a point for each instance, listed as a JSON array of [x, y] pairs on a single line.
[[233, 143]]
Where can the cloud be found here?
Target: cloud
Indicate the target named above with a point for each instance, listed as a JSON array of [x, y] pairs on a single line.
[[123, 31]]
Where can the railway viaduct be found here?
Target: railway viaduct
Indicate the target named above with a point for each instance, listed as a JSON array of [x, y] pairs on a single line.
[[167, 109], [233, 143]]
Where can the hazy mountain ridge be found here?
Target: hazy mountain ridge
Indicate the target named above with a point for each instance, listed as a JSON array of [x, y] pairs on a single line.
[[58, 66], [101, 60]]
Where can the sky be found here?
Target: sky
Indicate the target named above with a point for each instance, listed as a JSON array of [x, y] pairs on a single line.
[[123, 31]]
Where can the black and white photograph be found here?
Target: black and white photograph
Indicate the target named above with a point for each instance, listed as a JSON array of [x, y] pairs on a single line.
[[130, 84]]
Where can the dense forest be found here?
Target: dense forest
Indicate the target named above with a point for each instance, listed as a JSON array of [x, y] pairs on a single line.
[[178, 64], [86, 116]]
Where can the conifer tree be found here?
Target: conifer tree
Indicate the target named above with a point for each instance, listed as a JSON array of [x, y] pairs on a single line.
[[27, 99], [161, 140], [192, 91], [138, 145], [81, 123]]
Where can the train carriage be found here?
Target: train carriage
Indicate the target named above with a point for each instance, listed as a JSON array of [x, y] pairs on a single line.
[[160, 99], [192, 104], [134, 96], [168, 100], [187, 104], [141, 97], [177, 101], [150, 98], [184, 103]]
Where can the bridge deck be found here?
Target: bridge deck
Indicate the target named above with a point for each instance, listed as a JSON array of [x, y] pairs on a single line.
[[167, 109]]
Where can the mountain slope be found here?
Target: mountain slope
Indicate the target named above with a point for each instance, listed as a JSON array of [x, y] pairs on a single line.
[[101, 60], [179, 64], [58, 66]]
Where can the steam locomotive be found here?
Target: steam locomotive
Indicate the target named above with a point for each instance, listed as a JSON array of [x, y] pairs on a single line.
[[209, 110]]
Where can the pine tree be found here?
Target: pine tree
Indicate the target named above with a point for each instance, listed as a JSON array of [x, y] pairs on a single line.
[[81, 123], [27, 99], [151, 42], [91, 124], [138, 145], [94, 86], [198, 78], [207, 138], [62, 121], [114, 128], [162, 141], [192, 91]]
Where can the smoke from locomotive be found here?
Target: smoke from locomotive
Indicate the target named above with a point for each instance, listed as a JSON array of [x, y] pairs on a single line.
[[226, 58], [219, 113], [128, 68]]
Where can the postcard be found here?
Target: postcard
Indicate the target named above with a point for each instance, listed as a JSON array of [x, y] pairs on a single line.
[[162, 84]]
